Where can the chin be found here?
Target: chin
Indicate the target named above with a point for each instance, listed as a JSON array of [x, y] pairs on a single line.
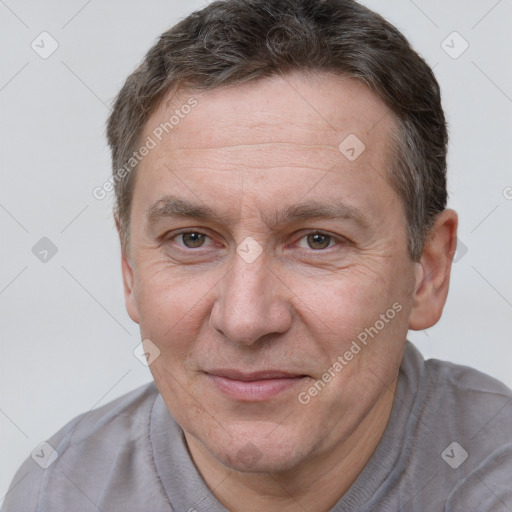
[[259, 454]]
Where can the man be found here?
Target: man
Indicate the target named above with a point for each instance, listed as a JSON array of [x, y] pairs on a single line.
[[281, 204]]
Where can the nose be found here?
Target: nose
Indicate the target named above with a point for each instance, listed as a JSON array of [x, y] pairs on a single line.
[[252, 302]]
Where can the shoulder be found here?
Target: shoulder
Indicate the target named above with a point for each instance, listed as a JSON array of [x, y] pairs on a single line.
[[468, 416], [81, 456], [119, 421], [470, 398], [126, 413]]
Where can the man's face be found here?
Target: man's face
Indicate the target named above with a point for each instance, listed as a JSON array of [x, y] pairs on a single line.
[[253, 305]]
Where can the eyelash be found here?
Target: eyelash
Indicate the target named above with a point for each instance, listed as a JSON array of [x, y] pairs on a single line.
[[339, 240]]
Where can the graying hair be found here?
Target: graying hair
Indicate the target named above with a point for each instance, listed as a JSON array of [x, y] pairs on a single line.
[[231, 42]]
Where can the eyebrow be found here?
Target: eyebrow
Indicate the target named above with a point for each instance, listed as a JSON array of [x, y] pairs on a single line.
[[174, 207]]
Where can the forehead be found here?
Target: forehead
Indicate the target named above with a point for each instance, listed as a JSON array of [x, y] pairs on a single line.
[[320, 108], [299, 126]]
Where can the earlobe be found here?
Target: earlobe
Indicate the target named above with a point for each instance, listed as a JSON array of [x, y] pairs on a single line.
[[433, 272]]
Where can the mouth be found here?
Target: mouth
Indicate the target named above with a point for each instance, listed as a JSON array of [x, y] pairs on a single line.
[[255, 386]]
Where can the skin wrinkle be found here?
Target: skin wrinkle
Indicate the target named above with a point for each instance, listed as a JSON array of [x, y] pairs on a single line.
[[294, 309], [379, 112], [260, 167], [315, 156], [386, 64], [274, 95], [171, 208]]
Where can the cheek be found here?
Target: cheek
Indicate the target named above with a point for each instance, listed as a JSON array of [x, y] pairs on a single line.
[[359, 332], [168, 305], [359, 309], [347, 301], [172, 309]]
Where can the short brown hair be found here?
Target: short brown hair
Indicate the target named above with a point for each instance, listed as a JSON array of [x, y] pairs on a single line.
[[230, 42]]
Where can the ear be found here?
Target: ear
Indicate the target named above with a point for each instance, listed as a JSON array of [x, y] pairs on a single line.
[[127, 269], [433, 276]]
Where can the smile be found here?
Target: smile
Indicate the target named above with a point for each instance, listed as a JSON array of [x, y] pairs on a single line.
[[252, 387]]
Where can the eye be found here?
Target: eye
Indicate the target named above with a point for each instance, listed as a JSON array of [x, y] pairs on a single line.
[[192, 239], [189, 240], [318, 241]]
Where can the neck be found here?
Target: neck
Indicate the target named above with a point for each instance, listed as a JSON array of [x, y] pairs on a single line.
[[317, 483]]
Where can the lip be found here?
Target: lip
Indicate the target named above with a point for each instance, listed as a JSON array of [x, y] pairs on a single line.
[[254, 386]]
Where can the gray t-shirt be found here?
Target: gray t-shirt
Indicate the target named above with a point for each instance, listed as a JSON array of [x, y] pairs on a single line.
[[447, 447]]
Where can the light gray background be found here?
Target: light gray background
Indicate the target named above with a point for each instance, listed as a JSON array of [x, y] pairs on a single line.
[[66, 339]]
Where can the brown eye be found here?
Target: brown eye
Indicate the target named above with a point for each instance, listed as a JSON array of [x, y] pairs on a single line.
[[193, 240], [318, 241]]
